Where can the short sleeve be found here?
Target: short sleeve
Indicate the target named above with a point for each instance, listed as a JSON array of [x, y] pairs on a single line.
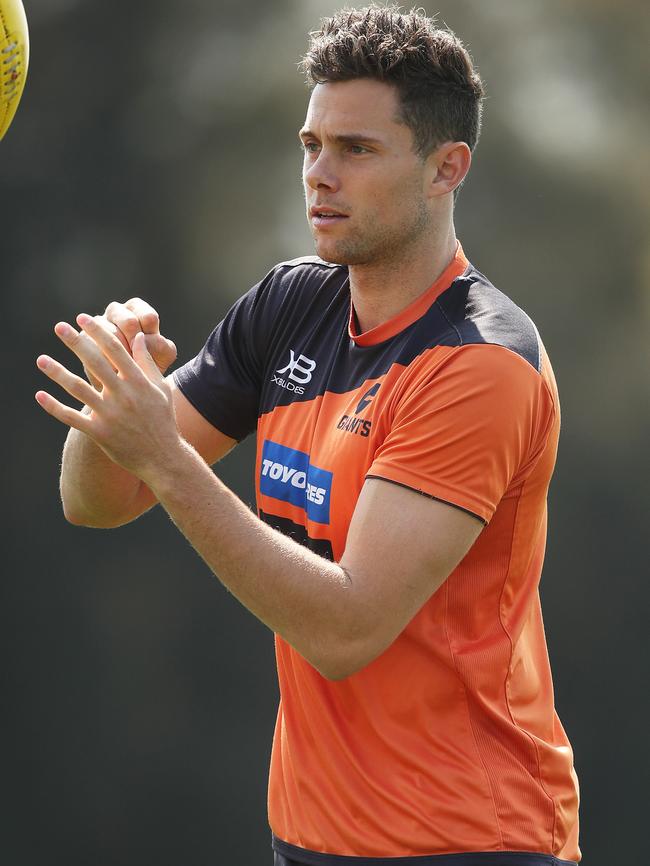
[[223, 382], [467, 428]]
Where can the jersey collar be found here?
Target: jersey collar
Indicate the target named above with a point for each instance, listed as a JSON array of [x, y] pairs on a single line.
[[414, 311]]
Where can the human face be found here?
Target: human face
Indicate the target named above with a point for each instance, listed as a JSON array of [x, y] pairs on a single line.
[[365, 187]]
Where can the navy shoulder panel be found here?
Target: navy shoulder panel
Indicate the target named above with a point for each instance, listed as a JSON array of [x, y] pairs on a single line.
[[309, 260], [477, 312], [306, 284]]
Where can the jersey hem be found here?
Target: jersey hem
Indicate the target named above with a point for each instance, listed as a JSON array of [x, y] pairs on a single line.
[[428, 495], [473, 858], [185, 379]]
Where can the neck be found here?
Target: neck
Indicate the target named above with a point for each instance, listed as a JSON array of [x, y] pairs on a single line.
[[381, 290]]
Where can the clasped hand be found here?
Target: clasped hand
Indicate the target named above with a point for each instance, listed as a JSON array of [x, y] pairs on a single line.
[[130, 406]]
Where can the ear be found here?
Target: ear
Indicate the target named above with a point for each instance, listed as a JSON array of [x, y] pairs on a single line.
[[449, 164]]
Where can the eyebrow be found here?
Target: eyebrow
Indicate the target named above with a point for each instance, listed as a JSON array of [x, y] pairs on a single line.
[[347, 138]]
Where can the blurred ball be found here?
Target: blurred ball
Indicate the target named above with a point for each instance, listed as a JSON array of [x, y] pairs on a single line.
[[14, 59]]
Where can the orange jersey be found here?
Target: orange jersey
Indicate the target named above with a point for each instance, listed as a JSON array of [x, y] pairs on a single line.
[[449, 741]]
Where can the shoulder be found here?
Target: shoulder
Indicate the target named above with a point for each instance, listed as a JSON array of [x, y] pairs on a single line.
[[305, 280], [308, 268], [477, 313], [310, 262]]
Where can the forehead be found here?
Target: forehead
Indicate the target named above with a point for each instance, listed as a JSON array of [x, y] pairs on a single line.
[[362, 105]]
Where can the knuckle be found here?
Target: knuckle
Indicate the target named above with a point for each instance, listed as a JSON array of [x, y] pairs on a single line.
[[149, 318], [145, 313], [130, 323]]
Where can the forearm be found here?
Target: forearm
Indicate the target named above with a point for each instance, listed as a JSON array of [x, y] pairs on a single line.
[[312, 603], [95, 491], [400, 546], [299, 595]]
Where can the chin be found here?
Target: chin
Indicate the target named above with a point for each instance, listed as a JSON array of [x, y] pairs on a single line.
[[332, 258], [336, 256]]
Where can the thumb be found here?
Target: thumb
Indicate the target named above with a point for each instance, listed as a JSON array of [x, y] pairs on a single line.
[[144, 360], [162, 350]]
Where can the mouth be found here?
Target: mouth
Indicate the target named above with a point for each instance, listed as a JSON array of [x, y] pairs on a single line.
[[325, 216]]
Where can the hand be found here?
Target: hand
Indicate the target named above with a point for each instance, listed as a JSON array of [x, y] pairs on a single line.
[[130, 318], [132, 418], [135, 316]]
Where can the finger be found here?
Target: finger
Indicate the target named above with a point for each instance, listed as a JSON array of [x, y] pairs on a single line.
[[87, 351], [124, 340], [94, 381], [144, 360], [124, 321], [162, 350], [147, 317], [97, 328], [65, 414], [159, 345], [74, 385]]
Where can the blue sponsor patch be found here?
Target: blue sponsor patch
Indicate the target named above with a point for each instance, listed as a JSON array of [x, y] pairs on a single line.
[[288, 475]]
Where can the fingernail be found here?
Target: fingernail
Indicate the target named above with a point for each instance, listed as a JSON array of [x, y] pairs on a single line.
[[84, 319], [42, 361], [63, 329]]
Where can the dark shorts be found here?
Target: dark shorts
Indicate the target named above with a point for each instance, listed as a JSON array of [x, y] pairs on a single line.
[[491, 858]]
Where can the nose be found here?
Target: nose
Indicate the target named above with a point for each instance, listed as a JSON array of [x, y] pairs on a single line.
[[320, 173]]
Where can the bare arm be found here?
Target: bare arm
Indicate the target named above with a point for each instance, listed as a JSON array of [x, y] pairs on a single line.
[[97, 492], [401, 546]]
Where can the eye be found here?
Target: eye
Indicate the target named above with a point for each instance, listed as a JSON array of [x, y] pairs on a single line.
[[358, 148], [310, 146]]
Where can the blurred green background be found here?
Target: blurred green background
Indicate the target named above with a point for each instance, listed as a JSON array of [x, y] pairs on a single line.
[[155, 154]]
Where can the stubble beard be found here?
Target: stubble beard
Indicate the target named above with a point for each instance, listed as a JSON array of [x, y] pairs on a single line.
[[379, 245]]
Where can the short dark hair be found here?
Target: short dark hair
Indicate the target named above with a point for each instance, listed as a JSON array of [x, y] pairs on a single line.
[[440, 91]]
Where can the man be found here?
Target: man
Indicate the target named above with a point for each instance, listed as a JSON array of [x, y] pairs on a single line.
[[407, 422]]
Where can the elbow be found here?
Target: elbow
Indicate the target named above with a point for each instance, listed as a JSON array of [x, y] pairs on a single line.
[[331, 671], [337, 673], [79, 517], [336, 670], [73, 518], [73, 515], [72, 506], [343, 659]]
